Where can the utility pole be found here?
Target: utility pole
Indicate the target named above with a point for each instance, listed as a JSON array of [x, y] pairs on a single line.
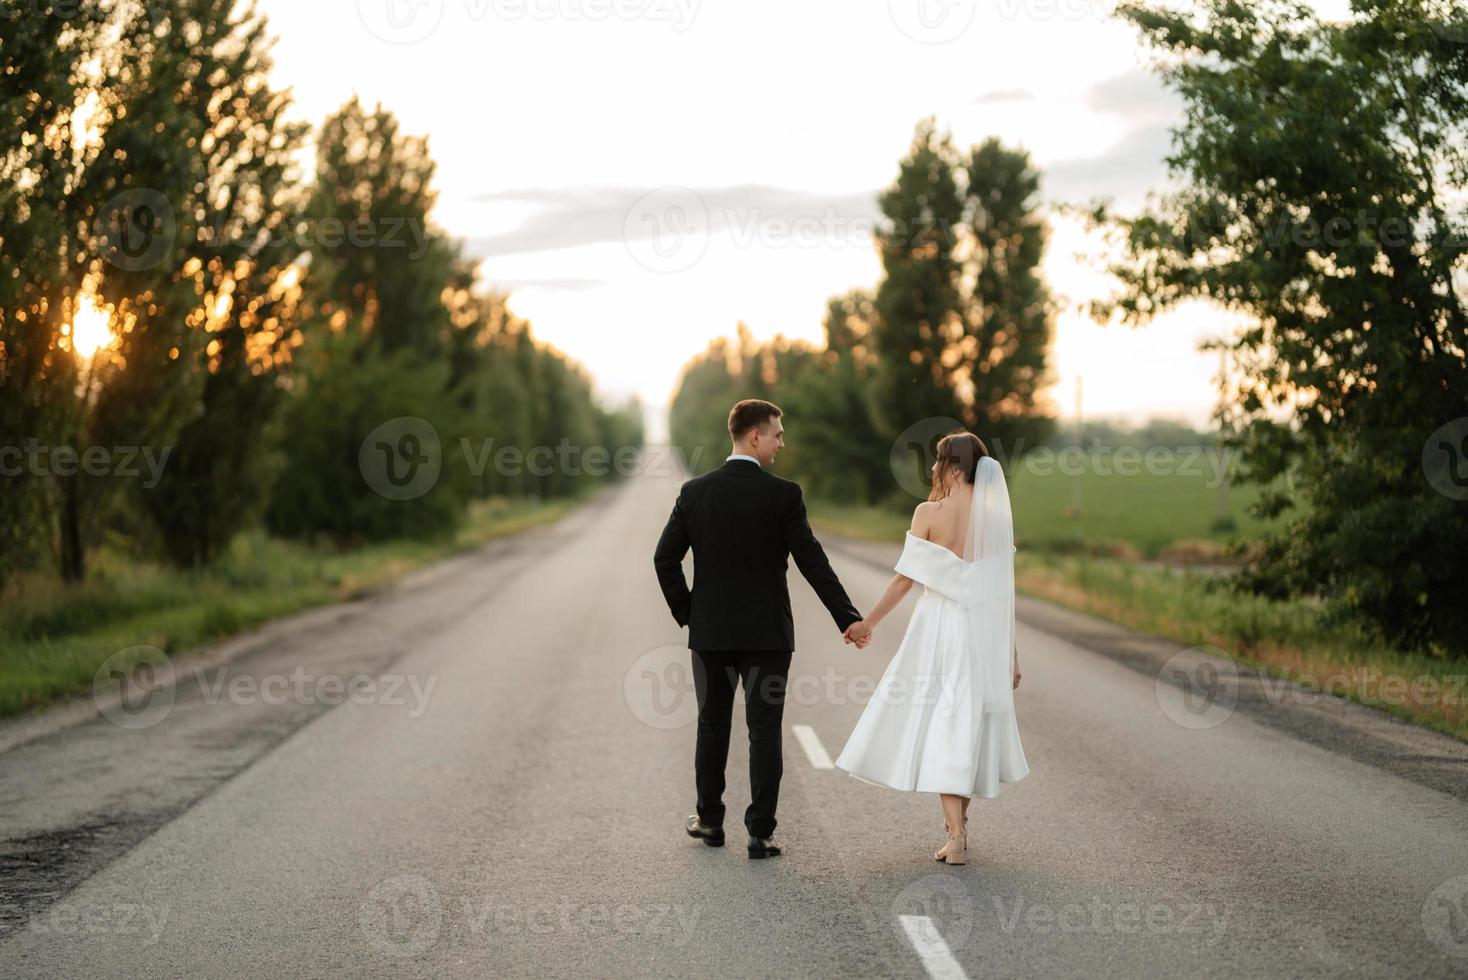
[[1076, 500], [1223, 521]]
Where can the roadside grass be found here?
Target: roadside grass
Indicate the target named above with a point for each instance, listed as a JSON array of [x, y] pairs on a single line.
[[1286, 640], [54, 636], [1177, 513], [1127, 513]]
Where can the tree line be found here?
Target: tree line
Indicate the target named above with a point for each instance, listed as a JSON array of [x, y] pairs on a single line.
[[261, 321], [1321, 168], [957, 333]]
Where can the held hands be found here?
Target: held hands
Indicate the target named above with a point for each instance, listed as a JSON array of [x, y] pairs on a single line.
[[859, 633]]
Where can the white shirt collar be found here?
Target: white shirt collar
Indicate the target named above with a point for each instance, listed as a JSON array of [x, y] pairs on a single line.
[[742, 456]]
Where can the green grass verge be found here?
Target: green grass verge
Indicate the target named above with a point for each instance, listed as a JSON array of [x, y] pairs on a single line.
[[1175, 512], [1284, 639], [53, 636]]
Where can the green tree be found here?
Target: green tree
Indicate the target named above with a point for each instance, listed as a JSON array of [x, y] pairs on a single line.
[[918, 303], [246, 289], [1320, 158], [41, 59], [1007, 312], [375, 253]]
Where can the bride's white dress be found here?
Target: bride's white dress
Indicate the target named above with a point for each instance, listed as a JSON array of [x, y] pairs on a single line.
[[942, 717]]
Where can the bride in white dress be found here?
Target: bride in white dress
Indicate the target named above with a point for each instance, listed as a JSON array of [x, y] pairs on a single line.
[[942, 717]]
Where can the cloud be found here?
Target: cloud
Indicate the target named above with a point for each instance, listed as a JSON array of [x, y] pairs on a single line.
[[575, 217], [1138, 96], [1005, 95], [1125, 173]]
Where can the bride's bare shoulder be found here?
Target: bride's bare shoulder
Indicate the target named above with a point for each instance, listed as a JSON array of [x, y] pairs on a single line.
[[922, 518]]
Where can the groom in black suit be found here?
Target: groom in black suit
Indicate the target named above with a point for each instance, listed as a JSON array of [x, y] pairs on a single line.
[[742, 522]]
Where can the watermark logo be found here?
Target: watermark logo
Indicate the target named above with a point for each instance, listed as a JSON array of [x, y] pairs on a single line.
[[402, 916], [136, 229], [667, 230], [940, 902], [932, 21], [1445, 916], [913, 453], [1103, 917], [1198, 688], [1445, 459], [659, 688], [135, 688], [128, 462], [400, 21], [89, 922], [402, 458]]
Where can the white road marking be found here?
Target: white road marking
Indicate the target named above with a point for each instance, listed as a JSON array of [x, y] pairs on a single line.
[[931, 949], [814, 750]]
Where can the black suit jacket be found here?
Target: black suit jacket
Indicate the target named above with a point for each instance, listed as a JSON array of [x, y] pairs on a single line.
[[742, 523]]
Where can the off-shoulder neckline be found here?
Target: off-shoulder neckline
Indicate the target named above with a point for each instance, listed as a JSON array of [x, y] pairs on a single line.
[[943, 548], [948, 551]]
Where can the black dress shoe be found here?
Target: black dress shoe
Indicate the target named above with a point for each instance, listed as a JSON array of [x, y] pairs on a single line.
[[712, 836], [763, 847]]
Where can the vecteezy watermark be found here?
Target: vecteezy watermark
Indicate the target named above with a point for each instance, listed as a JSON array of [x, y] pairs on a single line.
[[941, 903], [81, 921], [136, 229], [1053, 10], [302, 687], [659, 688], [1211, 464], [411, 21], [568, 459], [401, 916], [932, 21], [1445, 459], [403, 458], [913, 452], [1102, 917], [1198, 688], [670, 229], [137, 688], [127, 462], [1445, 916], [406, 916], [667, 230]]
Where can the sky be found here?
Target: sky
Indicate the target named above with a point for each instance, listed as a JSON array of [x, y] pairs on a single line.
[[643, 175]]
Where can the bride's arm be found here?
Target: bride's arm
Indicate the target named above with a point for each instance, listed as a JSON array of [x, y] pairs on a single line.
[[900, 585], [897, 590]]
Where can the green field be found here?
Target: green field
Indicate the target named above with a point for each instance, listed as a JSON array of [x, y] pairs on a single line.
[[1171, 513], [1090, 563], [53, 637]]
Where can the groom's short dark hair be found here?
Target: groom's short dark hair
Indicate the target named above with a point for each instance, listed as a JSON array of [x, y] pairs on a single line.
[[751, 414]]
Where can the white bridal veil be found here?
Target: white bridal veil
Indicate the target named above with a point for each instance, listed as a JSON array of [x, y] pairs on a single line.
[[990, 546]]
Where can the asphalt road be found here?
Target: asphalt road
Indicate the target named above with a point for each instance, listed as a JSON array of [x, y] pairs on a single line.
[[506, 798]]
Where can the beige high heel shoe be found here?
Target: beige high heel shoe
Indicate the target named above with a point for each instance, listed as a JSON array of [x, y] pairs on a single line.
[[942, 853], [957, 848]]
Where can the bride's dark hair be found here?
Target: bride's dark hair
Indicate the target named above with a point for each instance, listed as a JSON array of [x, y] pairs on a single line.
[[960, 450]]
